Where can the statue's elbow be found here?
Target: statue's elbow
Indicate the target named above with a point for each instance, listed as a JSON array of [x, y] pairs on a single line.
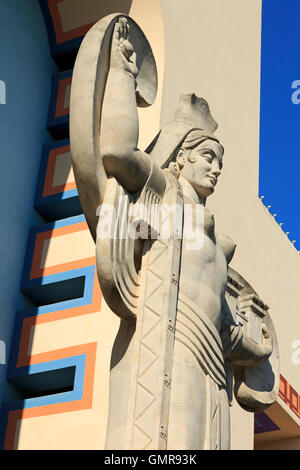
[[109, 160], [117, 153], [114, 159]]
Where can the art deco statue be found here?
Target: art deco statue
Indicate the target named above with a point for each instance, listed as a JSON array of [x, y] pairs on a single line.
[[188, 322]]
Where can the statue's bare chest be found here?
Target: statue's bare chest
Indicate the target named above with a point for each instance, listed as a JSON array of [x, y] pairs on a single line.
[[199, 238], [203, 265]]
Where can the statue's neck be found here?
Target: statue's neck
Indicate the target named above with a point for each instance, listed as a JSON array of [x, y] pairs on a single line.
[[190, 193]]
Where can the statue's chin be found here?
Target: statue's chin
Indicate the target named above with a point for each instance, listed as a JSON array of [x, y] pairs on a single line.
[[203, 193]]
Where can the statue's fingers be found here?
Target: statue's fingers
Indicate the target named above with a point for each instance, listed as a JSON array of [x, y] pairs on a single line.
[[133, 61], [119, 27], [268, 340], [117, 32], [123, 27], [129, 49], [265, 331], [133, 69]]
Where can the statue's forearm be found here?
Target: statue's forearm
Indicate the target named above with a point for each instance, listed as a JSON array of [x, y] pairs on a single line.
[[119, 132], [119, 123]]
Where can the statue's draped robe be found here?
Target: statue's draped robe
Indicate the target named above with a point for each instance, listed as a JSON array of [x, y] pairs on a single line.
[[199, 408], [168, 381]]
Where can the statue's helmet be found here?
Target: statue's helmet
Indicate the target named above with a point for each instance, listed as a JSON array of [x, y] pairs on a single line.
[[192, 114]]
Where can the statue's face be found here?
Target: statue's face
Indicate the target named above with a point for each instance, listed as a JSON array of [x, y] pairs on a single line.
[[202, 166]]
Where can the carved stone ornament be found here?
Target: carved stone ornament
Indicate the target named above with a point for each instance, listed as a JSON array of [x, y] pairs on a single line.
[[192, 330]]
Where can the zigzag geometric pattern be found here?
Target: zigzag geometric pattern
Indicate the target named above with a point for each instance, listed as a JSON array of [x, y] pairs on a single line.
[[148, 390], [290, 396], [59, 380], [155, 336]]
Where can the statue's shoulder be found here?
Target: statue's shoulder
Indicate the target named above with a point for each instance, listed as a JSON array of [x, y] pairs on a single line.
[[227, 244]]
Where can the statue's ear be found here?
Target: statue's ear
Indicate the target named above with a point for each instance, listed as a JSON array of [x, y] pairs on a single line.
[[181, 158]]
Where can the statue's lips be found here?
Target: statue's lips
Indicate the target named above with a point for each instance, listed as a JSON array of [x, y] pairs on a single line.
[[213, 180]]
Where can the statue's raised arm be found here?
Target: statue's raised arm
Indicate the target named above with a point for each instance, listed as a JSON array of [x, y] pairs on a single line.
[[114, 73], [119, 124]]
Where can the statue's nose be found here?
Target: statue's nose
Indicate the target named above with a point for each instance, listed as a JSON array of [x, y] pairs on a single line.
[[216, 172]]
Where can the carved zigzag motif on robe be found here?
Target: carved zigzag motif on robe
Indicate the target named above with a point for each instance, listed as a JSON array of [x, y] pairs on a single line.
[[153, 338], [147, 387]]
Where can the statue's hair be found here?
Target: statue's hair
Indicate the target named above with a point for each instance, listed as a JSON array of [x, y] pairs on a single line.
[[191, 141]]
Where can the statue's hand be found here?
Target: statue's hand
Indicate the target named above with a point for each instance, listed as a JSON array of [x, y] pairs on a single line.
[[123, 56], [266, 347], [248, 353], [258, 353]]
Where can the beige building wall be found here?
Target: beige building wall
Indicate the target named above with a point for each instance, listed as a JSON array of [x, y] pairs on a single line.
[[286, 444]]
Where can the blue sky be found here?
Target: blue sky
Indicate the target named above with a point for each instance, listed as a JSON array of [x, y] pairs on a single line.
[[280, 117]]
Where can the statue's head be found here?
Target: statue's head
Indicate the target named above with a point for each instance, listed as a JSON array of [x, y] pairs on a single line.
[[187, 145], [199, 161]]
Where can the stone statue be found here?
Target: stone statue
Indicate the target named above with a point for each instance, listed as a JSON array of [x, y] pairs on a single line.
[[187, 323]]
